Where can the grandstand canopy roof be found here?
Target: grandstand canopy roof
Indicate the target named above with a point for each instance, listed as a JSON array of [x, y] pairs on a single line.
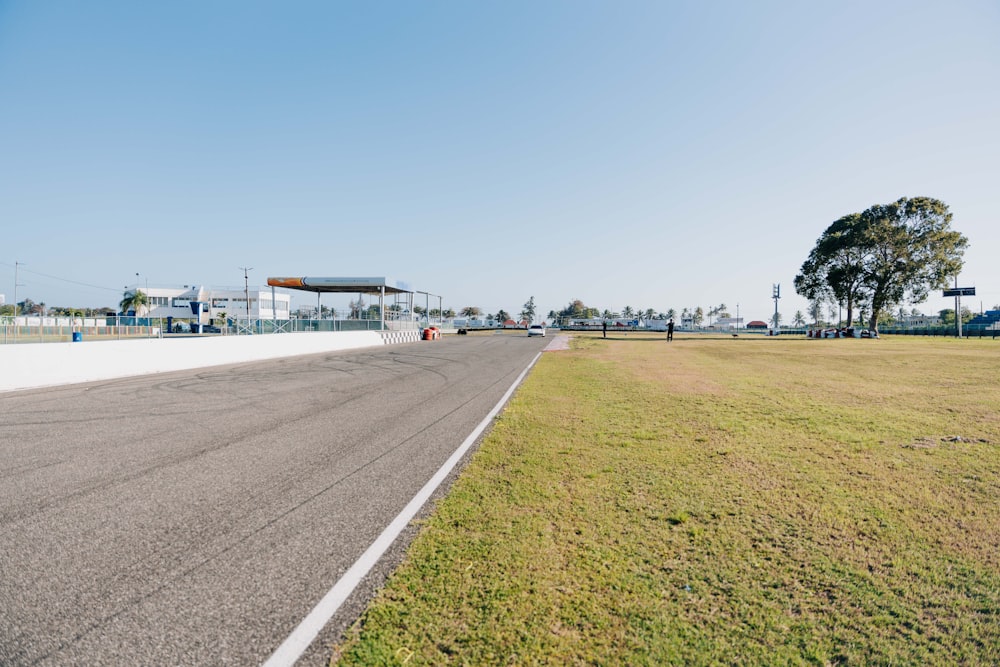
[[343, 285]]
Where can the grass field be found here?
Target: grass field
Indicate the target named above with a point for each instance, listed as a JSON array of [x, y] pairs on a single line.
[[717, 501]]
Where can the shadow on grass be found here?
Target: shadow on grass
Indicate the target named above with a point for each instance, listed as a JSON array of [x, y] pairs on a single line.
[[646, 338]]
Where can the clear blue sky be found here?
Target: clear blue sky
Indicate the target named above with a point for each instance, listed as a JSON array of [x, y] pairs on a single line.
[[653, 154]]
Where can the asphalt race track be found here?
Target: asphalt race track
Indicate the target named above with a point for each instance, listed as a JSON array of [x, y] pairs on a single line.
[[196, 517]]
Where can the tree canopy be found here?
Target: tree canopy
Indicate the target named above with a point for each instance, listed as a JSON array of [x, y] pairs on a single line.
[[528, 311], [135, 301], [470, 311], [576, 310], [834, 270], [882, 256]]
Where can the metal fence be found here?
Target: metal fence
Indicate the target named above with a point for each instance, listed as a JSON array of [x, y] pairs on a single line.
[[34, 329], [968, 331], [27, 329], [268, 326]]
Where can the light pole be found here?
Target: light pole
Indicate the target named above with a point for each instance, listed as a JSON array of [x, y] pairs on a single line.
[[737, 318], [17, 265], [246, 292], [145, 294]]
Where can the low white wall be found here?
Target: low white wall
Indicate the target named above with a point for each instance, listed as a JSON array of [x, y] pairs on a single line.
[[27, 365]]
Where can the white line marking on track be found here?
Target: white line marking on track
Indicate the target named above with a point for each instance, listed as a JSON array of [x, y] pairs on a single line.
[[296, 644]]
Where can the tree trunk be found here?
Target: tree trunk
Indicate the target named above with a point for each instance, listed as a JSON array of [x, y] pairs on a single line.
[[873, 320]]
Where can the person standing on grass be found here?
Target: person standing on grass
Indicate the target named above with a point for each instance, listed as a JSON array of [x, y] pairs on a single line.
[[670, 329], [605, 328]]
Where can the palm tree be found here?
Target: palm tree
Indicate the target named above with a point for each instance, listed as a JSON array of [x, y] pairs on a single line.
[[134, 300]]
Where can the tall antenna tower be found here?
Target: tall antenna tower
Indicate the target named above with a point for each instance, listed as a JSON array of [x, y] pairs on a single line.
[[776, 294]]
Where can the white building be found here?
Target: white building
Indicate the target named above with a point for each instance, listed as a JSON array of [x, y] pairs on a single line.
[[727, 323], [176, 302], [911, 321]]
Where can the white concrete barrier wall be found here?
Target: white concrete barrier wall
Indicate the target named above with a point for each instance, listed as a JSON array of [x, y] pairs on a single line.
[[28, 365]]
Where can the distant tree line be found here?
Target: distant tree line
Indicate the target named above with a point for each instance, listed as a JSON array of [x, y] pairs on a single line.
[[29, 307]]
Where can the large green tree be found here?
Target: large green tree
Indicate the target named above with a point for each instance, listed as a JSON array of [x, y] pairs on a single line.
[[577, 310], [835, 269], [885, 255], [912, 250]]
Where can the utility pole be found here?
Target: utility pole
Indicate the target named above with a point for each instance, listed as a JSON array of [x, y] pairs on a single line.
[[16, 285], [146, 294], [246, 291], [16, 266]]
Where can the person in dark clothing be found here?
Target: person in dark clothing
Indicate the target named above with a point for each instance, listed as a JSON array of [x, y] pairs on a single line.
[[670, 329], [605, 328]]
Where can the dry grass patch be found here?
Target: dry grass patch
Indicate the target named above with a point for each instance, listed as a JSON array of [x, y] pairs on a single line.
[[717, 501]]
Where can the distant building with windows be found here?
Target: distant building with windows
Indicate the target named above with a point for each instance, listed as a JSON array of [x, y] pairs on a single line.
[[913, 321], [726, 323], [202, 304]]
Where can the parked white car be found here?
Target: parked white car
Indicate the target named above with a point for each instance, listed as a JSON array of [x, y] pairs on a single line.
[[536, 330]]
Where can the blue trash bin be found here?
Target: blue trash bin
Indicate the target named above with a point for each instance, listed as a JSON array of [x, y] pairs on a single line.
[[77, 337]]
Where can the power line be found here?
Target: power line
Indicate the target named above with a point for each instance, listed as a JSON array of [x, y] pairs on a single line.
[[65, 280]]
